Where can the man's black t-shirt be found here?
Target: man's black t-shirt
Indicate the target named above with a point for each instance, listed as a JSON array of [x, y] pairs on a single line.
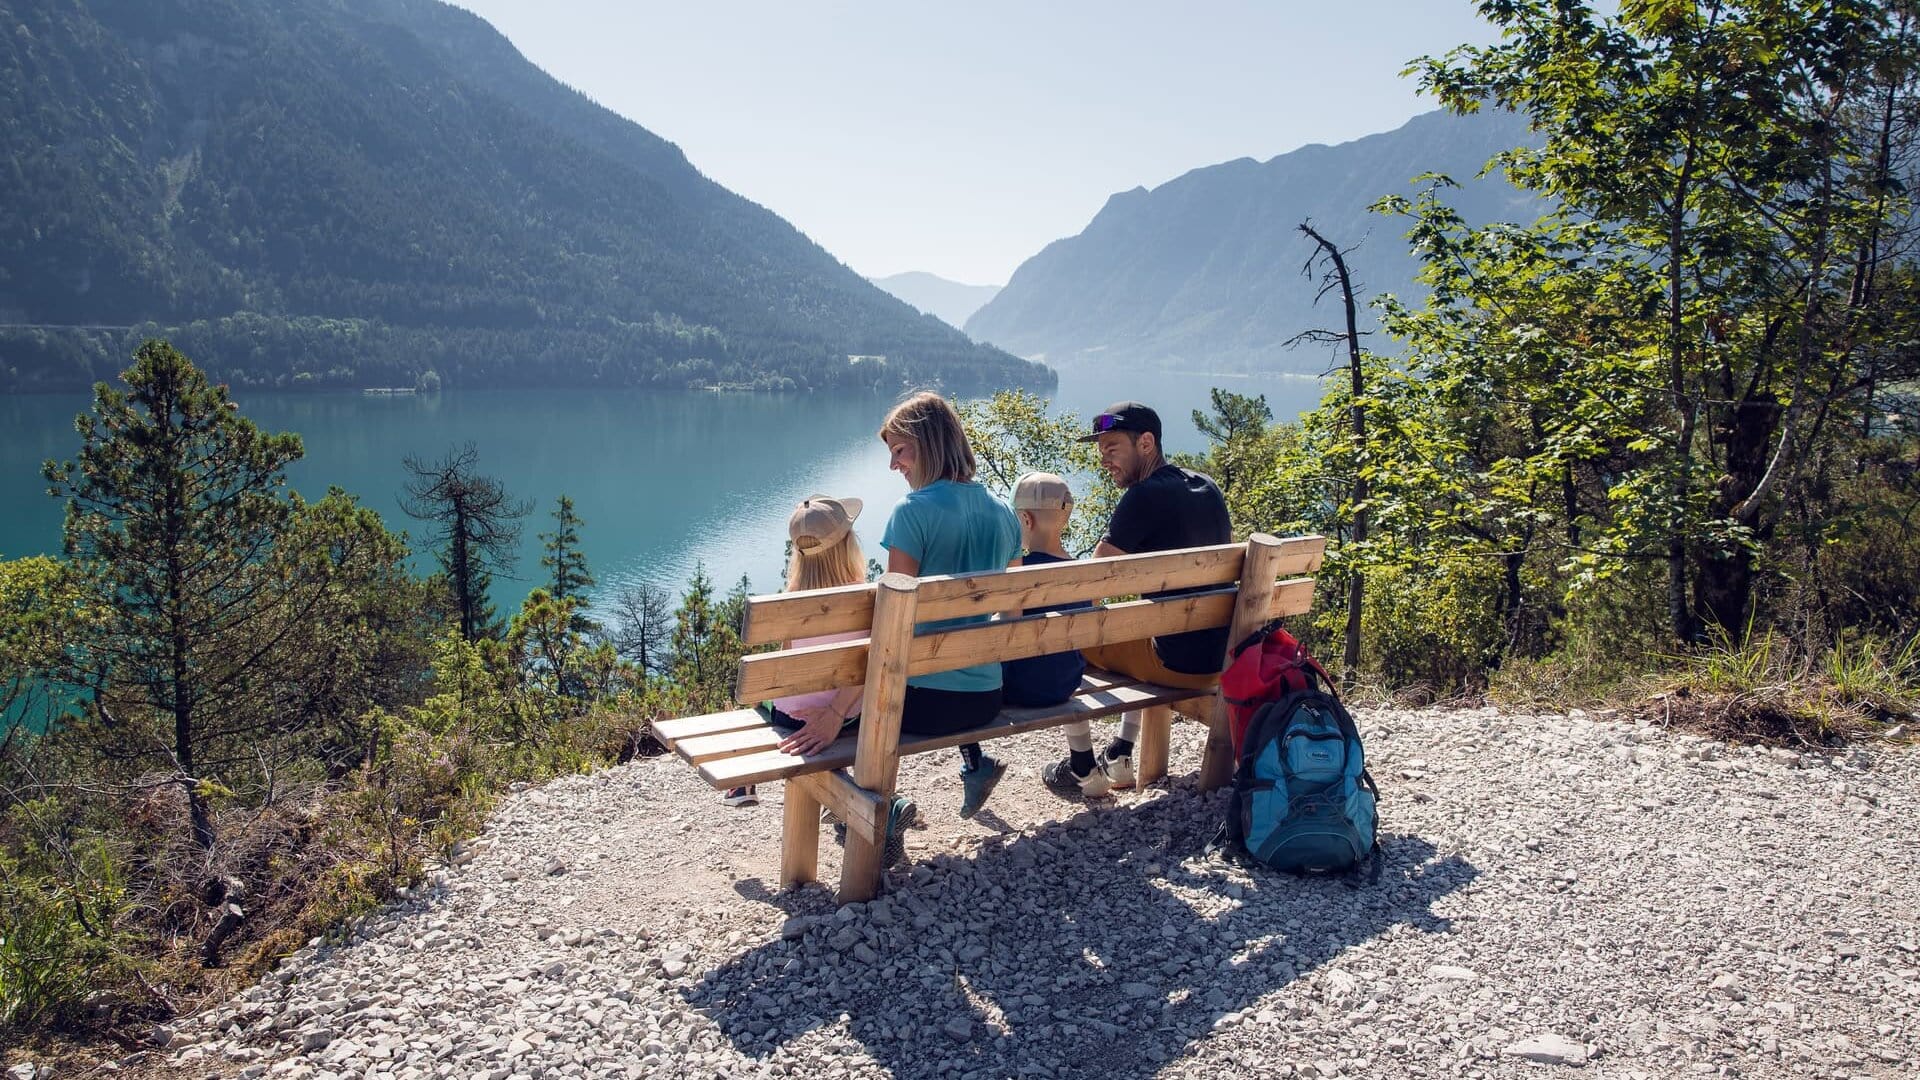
[[1175, 508]]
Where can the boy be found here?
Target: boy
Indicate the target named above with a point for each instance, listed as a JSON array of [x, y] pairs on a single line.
[[1043, 503]]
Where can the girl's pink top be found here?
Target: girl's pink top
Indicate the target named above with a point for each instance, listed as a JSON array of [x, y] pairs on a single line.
[[793, 703]]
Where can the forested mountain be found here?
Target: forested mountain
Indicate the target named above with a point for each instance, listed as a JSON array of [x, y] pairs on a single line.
[[1203, 273], [951, 301], [357, 192]]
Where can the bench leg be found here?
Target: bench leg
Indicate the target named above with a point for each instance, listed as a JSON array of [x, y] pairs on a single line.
[[800, 842], [1156, 732], [859, 869], [1217, 765]]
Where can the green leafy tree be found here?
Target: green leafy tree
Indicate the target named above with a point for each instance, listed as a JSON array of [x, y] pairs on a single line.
[[366, 644], [1709, 305], [44, 606], [706, 646], [560, 668], [175, 511], [1011, 433], [1234, 425], [478, 530]]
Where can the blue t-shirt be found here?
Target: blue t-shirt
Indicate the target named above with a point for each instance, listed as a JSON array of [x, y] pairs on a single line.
[[1049, 679], [954, 528]]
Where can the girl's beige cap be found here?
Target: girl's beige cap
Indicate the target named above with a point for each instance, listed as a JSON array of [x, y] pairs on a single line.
[[821, 521], [1041, 491]]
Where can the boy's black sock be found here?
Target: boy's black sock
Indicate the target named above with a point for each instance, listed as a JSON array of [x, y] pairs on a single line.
[[970, 756], [1119, 748], [1081, 762]]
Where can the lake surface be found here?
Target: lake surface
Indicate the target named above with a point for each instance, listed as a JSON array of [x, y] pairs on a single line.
[[663, 480]]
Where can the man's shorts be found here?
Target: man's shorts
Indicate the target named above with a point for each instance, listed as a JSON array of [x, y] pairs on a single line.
[[1138, 660]]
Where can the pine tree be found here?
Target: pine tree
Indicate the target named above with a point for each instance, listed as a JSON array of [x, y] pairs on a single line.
[[175, 510], [566, 564], [705, 645], [479, 528]]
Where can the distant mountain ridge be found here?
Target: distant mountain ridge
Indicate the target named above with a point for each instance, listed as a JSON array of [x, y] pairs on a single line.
[[1203, 272], [949, 301], [355, 192]]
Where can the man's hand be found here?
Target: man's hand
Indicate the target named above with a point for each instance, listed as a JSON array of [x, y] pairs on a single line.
[[819, 728]]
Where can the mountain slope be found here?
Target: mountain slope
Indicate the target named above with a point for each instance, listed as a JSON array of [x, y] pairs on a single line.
[[357, 191], [949, 301], [1203, 272]]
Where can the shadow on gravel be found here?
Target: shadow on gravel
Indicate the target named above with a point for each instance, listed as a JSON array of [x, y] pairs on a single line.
[[1088, 947]]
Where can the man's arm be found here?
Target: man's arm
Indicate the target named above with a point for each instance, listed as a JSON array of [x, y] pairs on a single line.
[[1105, 550]]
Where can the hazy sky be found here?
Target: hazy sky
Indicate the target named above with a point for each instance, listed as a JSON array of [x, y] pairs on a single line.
[[962, 138]]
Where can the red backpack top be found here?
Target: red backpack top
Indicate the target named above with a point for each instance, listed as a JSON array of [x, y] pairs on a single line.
[[1267, 666]]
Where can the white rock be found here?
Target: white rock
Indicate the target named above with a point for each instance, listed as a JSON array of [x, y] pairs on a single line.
[[1549, 1048]]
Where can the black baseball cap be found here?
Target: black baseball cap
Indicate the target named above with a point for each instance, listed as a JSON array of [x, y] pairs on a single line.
[[1125, 416]]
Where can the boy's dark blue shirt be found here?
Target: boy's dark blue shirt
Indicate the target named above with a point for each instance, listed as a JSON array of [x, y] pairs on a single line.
[[1050, 679]]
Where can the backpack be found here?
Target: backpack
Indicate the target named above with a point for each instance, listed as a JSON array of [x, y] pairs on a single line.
[[1302, 800]]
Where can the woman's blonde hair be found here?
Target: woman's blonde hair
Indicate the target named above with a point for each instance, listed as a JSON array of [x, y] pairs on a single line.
[[935, 428], [840, 563]]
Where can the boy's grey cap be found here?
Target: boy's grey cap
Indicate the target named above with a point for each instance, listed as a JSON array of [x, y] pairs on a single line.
[[1041, 491], [821, 521]]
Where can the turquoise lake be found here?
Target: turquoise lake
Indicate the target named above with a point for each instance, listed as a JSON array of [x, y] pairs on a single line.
[[663, 480]]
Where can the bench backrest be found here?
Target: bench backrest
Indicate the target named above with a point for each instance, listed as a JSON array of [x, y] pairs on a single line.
[[1241, 591], [1228, 577]]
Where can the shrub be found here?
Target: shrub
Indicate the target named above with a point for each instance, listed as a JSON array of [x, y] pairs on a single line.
[[57, 934]]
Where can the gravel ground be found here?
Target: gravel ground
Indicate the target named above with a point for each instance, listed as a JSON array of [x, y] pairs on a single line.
[[1559, 893]]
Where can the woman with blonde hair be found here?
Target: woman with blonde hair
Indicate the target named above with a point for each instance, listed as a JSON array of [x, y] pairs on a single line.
[[826, 554], [946, 524]]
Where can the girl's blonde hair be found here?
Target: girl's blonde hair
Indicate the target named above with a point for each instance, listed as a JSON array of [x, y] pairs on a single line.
[[841, 563], [935, 428]]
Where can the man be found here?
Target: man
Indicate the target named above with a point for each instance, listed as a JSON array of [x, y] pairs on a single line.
[[1163, 507]]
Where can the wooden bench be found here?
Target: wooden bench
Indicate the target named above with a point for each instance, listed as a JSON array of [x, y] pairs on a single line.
[[1239, 586]]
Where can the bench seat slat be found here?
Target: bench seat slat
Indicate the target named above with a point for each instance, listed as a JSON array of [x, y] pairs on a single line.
[[763, 766], [759, 736], [721, 734], [689, 727]]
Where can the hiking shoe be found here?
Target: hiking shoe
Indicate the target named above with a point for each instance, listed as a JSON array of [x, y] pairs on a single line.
[[977, 784], [900, 814], [741, 796], [1119, 769], [1060, 778]]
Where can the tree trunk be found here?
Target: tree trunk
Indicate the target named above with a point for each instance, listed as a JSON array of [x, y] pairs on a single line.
[[1723, 580], [459, 565], [1686, 627], [1356, 580]]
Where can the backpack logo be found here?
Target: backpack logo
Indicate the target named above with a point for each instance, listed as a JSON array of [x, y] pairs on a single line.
[[1302, 798]]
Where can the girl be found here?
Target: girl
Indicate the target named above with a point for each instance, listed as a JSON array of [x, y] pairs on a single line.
[[826, 553], [946, 524]]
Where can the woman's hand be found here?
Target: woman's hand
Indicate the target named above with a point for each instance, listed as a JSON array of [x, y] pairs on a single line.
[[819, 728]]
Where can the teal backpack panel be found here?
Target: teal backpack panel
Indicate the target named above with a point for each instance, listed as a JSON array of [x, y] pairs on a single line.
[[1302, 799]]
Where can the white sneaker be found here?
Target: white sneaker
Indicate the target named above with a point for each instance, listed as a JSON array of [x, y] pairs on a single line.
[[1119, 770], [1060, 777]]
